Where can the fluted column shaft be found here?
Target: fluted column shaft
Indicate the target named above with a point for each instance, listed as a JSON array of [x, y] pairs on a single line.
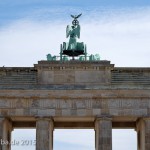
[[103, 128], [44, 134], [5, 134], [143, 133]]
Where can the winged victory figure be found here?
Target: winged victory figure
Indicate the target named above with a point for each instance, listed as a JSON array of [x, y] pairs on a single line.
[[76, 17], [73, 32]]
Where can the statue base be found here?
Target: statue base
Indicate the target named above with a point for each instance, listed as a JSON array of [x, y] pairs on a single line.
[[73, 52]]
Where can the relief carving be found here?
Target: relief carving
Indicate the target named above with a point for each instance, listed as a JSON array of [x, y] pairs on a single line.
[[4, 103], [96, 104], [19, 104], [80, 104], [35, 103]]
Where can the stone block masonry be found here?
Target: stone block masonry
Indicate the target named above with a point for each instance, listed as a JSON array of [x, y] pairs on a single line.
[[75, 94]]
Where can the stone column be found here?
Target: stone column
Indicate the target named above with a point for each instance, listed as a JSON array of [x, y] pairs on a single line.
[[44, 134], [147, 133], [140, 128], [1, 132], [103, 128], [143, 134], [5, 134]]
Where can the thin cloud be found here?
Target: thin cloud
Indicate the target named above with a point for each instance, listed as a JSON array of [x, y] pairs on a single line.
[[122, 38], [83, 138], [124, 139]]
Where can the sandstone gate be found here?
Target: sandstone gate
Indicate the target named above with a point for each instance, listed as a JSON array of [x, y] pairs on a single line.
[[75, 94]]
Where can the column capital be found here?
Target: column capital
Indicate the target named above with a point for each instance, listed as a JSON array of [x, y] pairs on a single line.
[[44, 118], [146, 118], [105, 117]]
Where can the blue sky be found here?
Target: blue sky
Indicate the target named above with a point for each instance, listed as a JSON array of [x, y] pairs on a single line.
[[112, 28], [119, 30], [18, 9]]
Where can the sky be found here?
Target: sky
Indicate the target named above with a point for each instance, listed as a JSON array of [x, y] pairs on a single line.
[[118, 30], [75, 139]]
